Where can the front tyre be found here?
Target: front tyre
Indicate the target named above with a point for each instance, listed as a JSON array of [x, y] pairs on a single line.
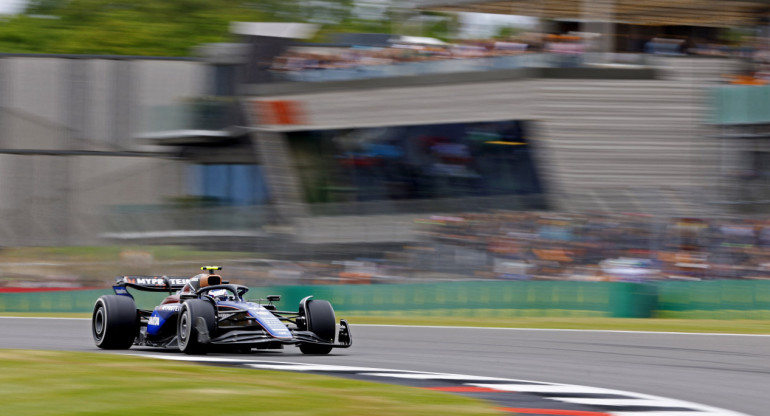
[[115, 322], [322, 322], [197, 321]]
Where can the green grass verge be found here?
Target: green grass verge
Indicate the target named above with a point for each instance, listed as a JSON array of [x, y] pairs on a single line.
[[65, 383], [738, 326], [48, 314], [618, 324]]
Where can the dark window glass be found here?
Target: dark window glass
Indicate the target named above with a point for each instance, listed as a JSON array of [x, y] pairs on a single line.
[[229, 184], [415, 162], [225, 80]]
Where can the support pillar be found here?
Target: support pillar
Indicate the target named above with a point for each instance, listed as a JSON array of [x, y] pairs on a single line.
[[598, 17]]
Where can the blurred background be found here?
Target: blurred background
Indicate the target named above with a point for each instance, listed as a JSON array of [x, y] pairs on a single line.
[[375, 141]]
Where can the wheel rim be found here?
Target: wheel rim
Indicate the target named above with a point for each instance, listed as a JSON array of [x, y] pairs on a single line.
[[99, 323], [184, 328]]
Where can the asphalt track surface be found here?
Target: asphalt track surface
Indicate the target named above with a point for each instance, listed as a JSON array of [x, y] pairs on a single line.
[[727, 371]]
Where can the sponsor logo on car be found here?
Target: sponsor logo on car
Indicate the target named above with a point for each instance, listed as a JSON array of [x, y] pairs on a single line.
[[155, 281], [272, 324]]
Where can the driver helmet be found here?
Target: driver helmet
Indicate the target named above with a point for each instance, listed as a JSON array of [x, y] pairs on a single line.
[[219, 294]]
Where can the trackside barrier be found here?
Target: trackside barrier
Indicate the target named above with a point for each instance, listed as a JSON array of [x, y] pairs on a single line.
[[716, 299], [64, 301], [462, 298], [705, 300], [50, 301]]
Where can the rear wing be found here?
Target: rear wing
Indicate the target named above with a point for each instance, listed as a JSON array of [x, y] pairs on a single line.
[[150, 283]]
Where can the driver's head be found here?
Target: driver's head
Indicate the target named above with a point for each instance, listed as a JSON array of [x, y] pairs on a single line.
[[219, 294]]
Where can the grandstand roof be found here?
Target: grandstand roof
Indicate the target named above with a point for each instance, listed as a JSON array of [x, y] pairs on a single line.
[[713, 13]]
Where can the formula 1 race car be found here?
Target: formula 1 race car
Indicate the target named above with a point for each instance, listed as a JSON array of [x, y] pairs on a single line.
[[204, 312]]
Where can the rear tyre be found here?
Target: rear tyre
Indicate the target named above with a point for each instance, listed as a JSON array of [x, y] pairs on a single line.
[[114, 322], [197, 321], [319, 315]]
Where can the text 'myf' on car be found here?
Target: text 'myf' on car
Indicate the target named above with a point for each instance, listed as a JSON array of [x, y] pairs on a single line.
[[204, 311]]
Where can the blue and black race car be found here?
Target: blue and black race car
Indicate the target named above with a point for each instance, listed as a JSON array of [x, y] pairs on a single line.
[[204, 311]]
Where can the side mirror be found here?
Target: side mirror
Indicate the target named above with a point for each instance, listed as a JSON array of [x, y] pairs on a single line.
[[273, 298]]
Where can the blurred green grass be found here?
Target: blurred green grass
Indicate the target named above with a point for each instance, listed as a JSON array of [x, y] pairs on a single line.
[[615, 324], [66, 383]]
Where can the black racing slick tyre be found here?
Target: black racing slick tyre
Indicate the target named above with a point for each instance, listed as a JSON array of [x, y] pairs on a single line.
[[115, 322], [321, 321], [197, 321]]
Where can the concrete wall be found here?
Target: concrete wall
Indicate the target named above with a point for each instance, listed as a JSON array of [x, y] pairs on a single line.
[[98, 99], [81, 103], [625, 137]]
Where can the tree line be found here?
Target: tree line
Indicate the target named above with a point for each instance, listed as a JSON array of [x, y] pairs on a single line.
[[176, 27]]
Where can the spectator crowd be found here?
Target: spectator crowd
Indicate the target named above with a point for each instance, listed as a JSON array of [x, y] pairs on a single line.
[[310, 58], [604, 247], [556, 50]]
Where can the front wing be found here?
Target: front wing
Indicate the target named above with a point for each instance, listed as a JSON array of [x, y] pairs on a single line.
[[257, 337]]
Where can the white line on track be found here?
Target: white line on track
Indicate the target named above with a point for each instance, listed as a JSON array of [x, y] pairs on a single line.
[[285, 365], [432, 376], [647, 405]]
